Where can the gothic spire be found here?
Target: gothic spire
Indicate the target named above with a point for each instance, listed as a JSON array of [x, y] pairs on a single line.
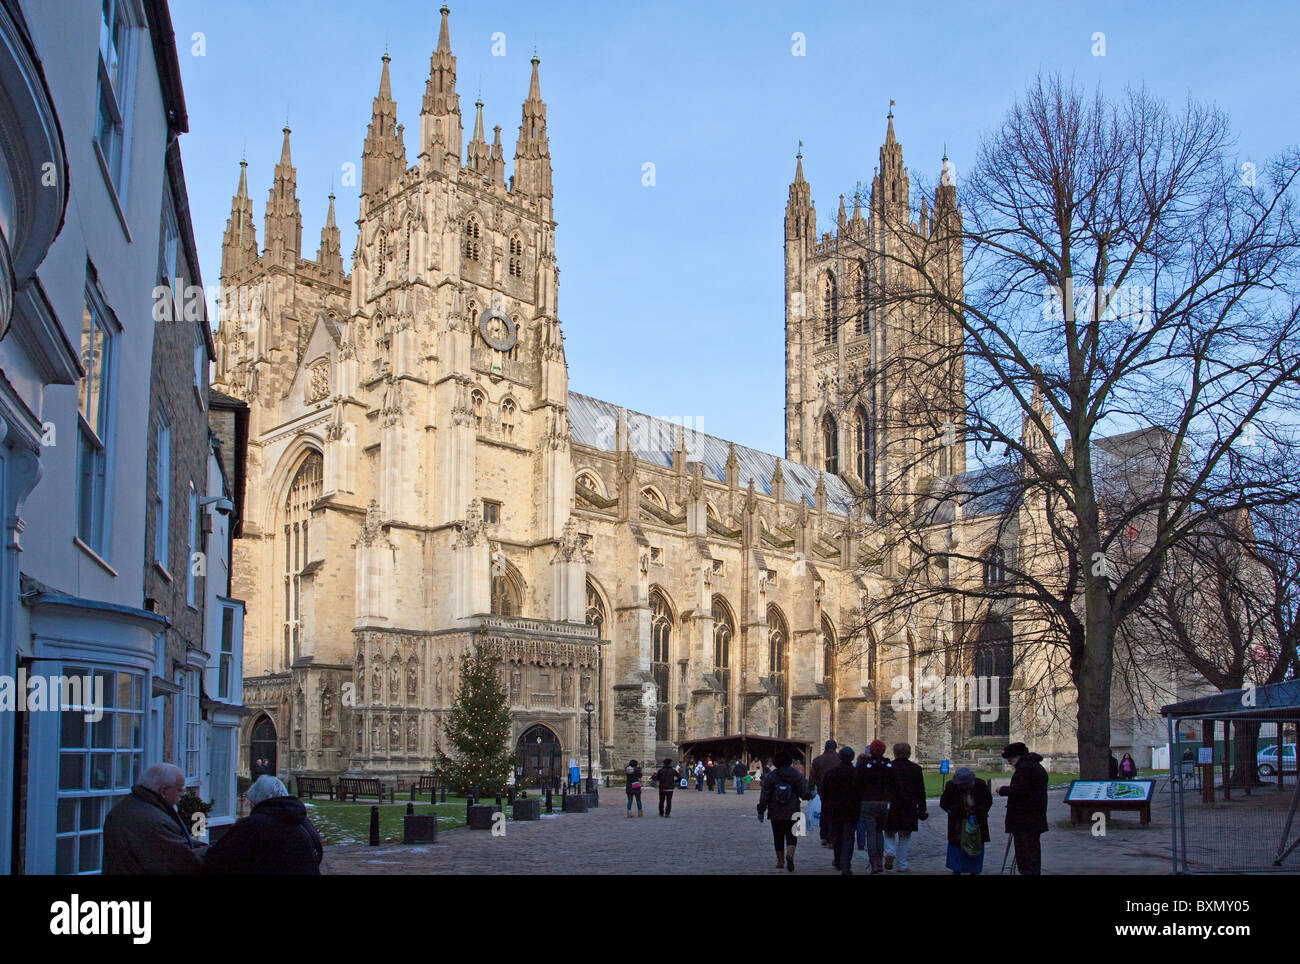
[[440, 126], [800, 218], [329, 257], [239, 244], [383, 156], [283, 219], [479, 152], [890, 185], [497, 159], [532, 150]]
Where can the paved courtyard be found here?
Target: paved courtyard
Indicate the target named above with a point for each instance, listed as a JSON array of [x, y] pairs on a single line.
[[712, 834]]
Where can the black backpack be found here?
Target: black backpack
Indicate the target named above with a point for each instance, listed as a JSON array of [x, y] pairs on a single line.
[[783, 793]]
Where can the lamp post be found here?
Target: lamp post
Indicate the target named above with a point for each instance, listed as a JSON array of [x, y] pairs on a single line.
[[590, 708]]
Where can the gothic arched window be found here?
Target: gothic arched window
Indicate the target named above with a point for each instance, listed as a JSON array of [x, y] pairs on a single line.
[[830, 308], [304, 490], [724, 631], [477, 404], [864, 450], [828, 656], [508, 411], [831, 444], [381, 261], [778, 640], [472, 250], [992, 659], [995, 566], [661, 631], [595, 611], [505, 592], [516, 257], [860, 325]]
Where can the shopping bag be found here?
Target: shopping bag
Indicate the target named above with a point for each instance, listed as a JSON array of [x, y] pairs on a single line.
[[814, 816]]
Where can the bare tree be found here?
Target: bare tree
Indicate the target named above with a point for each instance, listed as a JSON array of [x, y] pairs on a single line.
[[1125, 328]]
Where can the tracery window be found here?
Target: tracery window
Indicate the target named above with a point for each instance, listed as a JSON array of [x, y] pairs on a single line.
[[864, 448], [516, 257], [724, 631], [995, 566], [830, 308], [304, 490], [661, 628], [508, 411], [473, 252], [477, 405], [778, 638], [831, 444]]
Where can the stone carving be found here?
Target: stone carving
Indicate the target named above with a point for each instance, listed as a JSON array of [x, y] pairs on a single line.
[[412, 680], [377, 685], [515, 687], [472, 527], [566, 689], [376, 735], [327, 708], [394, 681], [319, 384], [412, 733]]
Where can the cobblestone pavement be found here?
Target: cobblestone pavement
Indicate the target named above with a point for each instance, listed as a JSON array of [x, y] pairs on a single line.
[[712, 834]]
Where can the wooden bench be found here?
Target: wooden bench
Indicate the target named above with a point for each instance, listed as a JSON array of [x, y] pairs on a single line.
[[308, 787], [427, 783], [369, 787]]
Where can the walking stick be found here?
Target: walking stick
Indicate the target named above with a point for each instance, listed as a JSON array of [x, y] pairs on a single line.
[[1010, 841]]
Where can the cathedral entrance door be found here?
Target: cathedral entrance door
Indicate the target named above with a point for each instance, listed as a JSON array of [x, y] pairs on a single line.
[[262, 748], [541, 757]]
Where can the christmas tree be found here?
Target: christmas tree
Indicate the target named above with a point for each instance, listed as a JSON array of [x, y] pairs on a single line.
[[478, 730]]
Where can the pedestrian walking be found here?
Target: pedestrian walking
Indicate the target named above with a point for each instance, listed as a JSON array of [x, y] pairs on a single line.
[[738, 772], [667, 776], [633, 771], [1027, 806], [275, 838], [720, 772], [821, 765], [906, 808], [143, 833], [699, 776], [1128, 767], [841, 803], [779, 795], [875, 782], [967, 801]]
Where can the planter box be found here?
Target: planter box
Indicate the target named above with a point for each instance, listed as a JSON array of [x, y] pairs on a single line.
[[480, 817], [575, 803], [593, 800], [529, 809], [420, 828]]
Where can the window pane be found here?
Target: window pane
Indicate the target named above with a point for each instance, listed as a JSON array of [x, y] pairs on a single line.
[[72, 731], [92, 817], [67, 820], [72, 771], [65, 855], [89, 856], [101, 732], [101, 771], [107, 681], [122, 774]]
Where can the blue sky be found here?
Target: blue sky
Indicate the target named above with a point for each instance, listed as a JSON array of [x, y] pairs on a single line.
[[671, 296]]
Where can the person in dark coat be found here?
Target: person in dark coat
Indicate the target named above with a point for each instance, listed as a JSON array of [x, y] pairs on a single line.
[[1114, 768], [633, 772], [779, 795], [667, 776], [966, 796], [738, 772], [1128, 767], [875, 789], [1026, 806], [906, 808], [822, 765], [275, 838], [143, 833], [841, 799]]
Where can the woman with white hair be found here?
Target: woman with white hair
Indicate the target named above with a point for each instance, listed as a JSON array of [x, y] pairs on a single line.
[[275, 838]]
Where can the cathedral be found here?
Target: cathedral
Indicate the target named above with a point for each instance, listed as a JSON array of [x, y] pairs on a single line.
[[421, 481]]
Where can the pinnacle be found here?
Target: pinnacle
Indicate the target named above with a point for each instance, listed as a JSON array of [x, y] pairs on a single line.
[[444, 34], [284, 150]]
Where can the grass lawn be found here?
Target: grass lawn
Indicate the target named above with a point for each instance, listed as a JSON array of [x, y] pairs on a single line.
[[349, 823]]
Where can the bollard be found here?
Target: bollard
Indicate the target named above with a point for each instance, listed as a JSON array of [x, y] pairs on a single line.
[[374, 826], [548, 801], [510, 793], [469, 804], [444, 793], [498, 801], [410, 809]]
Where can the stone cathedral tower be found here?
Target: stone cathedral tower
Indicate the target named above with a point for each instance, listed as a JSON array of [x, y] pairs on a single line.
[[850, 409], [410, 478]]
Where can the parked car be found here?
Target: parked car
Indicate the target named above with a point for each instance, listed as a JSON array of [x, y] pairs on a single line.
[[1266, 760]]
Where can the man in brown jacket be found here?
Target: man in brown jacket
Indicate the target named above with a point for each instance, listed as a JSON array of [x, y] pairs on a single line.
[[822, 765], [144, 834]]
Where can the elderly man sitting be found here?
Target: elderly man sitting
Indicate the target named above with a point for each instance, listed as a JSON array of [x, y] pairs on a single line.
[[144, 834]]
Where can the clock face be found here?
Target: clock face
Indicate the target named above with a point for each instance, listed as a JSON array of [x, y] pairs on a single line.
[[498, 330]]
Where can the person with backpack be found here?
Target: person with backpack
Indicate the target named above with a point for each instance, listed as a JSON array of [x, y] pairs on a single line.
[[906, 808], [667, 776], [633, 772], [875, 783], [699, 776], [967, 801], [738, 772], [779, 795]]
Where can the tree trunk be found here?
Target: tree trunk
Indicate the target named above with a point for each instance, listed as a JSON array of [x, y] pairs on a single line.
[[1245, 737]]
